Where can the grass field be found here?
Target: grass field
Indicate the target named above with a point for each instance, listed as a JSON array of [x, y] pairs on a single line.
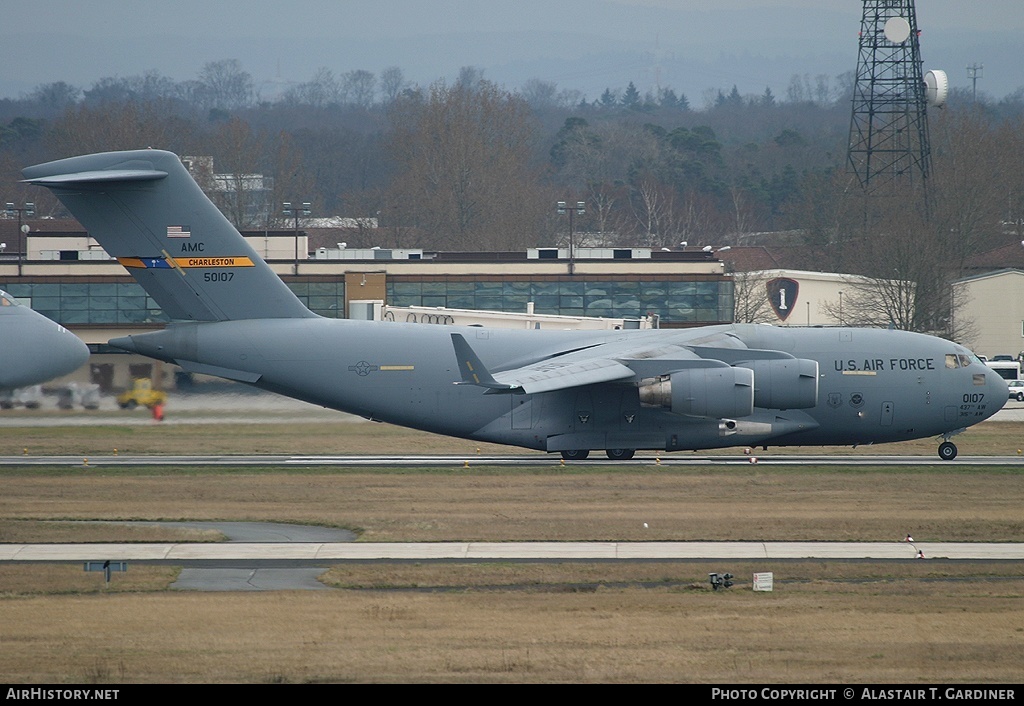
[[897, 622]]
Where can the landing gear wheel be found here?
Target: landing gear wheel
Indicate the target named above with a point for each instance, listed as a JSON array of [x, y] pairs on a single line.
[[575, 454], [620, 454], [947, 450]]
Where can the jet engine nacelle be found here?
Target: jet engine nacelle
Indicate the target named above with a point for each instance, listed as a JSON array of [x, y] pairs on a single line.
[[703, 392], [790, 383]]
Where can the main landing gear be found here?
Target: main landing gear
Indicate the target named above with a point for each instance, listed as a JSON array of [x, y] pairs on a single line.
[[947, 450], [613, 454]]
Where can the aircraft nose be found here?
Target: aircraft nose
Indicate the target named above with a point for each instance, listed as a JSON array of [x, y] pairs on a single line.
[[69, 352], [78, 355], [996, 390]]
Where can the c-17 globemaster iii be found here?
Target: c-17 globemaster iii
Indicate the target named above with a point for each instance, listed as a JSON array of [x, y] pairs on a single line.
[[34, 349], [559, 391]]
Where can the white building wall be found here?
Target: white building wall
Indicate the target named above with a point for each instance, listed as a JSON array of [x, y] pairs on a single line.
[[992, 307]]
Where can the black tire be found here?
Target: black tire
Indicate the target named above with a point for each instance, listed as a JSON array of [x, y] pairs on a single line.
[[575, 454], [1020, 396], [620, 454], [130, 404], [947, 451]]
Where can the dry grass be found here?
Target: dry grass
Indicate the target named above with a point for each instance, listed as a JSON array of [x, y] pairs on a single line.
[[357, 437], [585, 503], [881, 622], [326, 438], [819, 631]]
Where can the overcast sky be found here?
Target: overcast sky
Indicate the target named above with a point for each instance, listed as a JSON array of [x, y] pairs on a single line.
[[586, 45]]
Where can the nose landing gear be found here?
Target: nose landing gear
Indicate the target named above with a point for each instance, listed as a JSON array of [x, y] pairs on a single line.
[[947, 450]]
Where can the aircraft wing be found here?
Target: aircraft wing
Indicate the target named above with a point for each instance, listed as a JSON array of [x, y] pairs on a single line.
[[602, 362]]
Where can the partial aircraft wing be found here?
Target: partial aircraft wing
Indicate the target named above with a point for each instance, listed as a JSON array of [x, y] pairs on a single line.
[[631, 358]]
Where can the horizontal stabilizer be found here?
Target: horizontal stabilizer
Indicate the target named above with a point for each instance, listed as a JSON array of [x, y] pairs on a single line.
[[97, 177]]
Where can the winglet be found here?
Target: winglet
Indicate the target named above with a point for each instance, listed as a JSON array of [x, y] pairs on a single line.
[[471, 368]]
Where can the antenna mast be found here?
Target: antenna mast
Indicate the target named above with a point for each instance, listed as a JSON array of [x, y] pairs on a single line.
[[889, 126]]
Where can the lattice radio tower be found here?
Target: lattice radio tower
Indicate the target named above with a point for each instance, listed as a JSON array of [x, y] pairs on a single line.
[[889, 126]]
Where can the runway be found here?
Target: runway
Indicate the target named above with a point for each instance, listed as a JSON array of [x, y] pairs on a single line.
[[538, 459], [310, 553]]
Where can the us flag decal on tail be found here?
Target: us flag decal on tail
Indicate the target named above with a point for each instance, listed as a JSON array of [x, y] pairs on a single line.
[[179, 232]]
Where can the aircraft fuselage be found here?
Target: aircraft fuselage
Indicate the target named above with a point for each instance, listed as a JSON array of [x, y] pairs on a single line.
[[873, 385]]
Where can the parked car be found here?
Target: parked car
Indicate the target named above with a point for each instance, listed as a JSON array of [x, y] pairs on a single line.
[[1016, 390]]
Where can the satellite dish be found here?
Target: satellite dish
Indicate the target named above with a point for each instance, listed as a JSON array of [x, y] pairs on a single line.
[[936, 88], [897, 29]]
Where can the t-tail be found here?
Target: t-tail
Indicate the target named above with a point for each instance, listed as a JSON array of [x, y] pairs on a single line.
[[146, 210]]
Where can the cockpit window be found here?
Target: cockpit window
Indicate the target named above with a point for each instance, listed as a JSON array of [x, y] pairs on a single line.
[[961, 360], [5, 300]]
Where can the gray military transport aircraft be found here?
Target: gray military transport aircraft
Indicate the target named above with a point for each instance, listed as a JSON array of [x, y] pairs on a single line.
[[559, 391], [34, 349]]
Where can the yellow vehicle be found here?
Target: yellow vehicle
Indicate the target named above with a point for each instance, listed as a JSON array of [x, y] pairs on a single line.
[[141, 392]]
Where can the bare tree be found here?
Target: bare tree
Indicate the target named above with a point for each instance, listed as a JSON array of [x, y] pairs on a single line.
[[905, 259], [392, 83], [226, 85], [239, 189], [292, 182], [321, 91], [750, 298], [464, 169], [975, 176], [358, 88], [119, 126], [53, 99], [541, 95]]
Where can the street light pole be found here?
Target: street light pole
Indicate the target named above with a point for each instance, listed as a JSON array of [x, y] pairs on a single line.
[[579, 208], [290, 212], [29, 209]]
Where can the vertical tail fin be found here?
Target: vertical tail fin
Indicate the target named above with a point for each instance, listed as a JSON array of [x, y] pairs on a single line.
[[145, 209]]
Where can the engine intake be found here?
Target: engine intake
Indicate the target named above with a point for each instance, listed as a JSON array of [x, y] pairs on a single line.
[[784, 384]]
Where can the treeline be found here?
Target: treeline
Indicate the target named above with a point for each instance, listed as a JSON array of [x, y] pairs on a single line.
[[469, 165]]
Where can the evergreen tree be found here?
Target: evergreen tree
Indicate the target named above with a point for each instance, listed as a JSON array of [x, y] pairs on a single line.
[[631, 98]]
